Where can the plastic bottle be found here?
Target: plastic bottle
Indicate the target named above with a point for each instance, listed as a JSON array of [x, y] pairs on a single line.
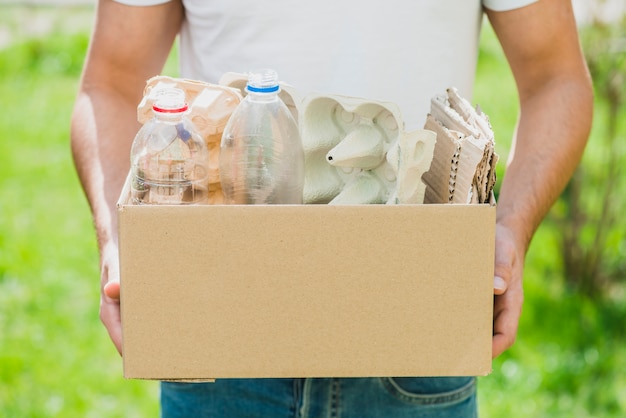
[[261, 156], [169, 159]]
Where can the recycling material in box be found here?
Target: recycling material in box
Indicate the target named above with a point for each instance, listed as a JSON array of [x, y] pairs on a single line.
[[344, 289]]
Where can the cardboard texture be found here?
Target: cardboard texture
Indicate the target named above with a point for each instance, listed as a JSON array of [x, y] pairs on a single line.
[[343, 290], [463, 169], [306, 291]]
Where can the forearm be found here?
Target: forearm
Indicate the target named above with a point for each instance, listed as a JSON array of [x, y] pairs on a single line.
[[103, 126], [551, 135], [128, 46], [556, 101]]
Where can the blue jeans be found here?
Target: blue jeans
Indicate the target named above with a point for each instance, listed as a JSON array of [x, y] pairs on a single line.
[[432, 397]]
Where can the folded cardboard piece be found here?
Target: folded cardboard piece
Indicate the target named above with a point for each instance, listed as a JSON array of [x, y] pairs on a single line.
[[464, 161], [344, 290]]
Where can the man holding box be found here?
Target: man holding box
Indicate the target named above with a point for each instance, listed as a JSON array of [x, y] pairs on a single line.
[[403, 52]]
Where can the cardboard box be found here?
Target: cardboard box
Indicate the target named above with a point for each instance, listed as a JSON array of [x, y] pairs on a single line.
[[316, 290], [306, 291]]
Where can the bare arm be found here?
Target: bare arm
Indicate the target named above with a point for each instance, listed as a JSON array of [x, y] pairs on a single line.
[[128, 46], [541, 44]]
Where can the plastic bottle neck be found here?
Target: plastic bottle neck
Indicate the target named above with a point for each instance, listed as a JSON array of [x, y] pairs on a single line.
[[168, 116], [262, 97], [170, 105], [262, 94]]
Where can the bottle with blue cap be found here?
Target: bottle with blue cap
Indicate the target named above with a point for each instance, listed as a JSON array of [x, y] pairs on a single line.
[[169, 158], [261, 156]]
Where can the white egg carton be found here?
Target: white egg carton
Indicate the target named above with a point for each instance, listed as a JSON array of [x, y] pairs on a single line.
[[356, 150]]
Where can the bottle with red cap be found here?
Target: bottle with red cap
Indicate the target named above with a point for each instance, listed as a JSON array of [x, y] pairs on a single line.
[[169, 159], [261, 156]]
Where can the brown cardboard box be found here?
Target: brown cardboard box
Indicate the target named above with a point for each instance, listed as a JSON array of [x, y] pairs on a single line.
[[306, 291]]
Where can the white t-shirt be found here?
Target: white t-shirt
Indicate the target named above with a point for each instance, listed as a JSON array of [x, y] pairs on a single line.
[[396, 50]]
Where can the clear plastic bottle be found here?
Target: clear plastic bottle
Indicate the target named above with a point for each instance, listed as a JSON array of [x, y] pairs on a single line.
[[169, 159], [261, 156]]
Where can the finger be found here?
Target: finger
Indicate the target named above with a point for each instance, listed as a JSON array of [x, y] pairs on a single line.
[[500, 344], [507, 311], [499, 285], [111, 318], [116, 336], [112, 289], [504, 333], [503, 338], [504, 262]]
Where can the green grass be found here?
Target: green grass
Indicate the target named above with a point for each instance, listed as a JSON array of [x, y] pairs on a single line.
[[570, 353], [56, 359]]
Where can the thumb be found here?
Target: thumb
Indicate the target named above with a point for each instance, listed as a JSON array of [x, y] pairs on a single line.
[[505, 258], [499, 285], [112, 289]]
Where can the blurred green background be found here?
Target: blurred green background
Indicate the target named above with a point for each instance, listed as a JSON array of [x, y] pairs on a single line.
[[56, 359]]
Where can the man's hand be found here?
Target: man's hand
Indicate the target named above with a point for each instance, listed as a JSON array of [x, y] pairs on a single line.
[[507, 288], [110, 296]]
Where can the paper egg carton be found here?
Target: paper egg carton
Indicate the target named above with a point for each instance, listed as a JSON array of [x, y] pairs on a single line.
[[210, 107], [357, 150]]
